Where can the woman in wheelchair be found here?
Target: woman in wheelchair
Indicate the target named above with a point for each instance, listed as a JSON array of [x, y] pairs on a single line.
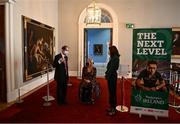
[[88, 82]]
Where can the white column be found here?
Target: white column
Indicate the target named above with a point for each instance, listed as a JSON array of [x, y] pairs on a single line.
[[9, 45]]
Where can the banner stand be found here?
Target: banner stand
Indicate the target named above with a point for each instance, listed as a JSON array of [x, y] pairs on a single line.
[[155, 116], [19, 100], [151, 47], [47, 98], [122, 108]]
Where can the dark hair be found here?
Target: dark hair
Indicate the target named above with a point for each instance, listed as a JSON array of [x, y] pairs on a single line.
[[64, 47], [113, 51], [151, 62]]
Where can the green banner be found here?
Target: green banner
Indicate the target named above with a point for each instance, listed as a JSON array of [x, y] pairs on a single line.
[[149, 99], [151, 70], [154, 44]]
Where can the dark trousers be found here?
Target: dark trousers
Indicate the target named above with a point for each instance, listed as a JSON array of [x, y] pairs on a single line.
[[61, 91], [112, 85], [86, 93]]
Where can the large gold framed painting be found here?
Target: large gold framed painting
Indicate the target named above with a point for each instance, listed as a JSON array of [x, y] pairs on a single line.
[[176, 42], [38, 40]]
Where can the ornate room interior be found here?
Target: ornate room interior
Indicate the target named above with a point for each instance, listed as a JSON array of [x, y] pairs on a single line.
[[32, 32]]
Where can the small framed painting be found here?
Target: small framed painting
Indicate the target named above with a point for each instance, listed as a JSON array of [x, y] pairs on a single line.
[[98, 49], [176, 42]]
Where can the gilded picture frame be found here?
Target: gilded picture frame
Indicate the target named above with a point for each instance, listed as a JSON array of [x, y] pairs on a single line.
[[98, 49], [176, 42], [38, 50]]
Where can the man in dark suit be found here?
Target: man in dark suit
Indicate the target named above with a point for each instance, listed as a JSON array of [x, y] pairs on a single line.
[[61, 74]]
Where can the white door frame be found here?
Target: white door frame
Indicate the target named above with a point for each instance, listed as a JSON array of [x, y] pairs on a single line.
[[82, 26]]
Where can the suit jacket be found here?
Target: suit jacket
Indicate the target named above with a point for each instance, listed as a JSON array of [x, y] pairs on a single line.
[[60, 70], [112, 67]]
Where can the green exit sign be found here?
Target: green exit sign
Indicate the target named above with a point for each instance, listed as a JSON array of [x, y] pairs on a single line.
[[129, 25]]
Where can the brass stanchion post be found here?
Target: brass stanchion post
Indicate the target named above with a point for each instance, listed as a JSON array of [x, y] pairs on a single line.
[[121, 107], [47, 98]]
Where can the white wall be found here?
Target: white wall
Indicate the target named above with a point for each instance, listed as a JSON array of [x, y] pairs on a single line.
[[142, 13], [44, 11]]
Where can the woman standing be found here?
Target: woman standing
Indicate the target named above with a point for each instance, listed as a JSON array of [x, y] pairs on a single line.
[[111, 77]]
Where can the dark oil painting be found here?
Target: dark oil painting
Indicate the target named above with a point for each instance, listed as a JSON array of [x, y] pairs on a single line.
[[176, 42], [38, 48], [98, 49]]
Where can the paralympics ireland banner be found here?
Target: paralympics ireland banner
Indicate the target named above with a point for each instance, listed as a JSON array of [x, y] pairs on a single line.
[[150, 71]]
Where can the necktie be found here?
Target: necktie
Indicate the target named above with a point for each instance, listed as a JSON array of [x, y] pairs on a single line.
[[66, 64]]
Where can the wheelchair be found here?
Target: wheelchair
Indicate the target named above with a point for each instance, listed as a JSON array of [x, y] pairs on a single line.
[[89, 92]]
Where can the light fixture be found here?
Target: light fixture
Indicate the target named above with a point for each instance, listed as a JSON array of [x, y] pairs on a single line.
[[93, 14]]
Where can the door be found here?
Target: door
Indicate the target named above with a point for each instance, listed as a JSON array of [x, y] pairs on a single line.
[[97, 41], [85, 45], [2, 56]]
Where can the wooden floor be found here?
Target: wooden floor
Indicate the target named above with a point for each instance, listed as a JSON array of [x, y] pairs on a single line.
[[5, 105]]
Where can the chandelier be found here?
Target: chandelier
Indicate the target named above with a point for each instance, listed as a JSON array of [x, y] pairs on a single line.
[[93, 14]]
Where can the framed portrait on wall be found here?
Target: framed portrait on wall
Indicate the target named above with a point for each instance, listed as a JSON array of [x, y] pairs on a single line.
[[176, 67], [38, 50], [98, 49], [176, 42]]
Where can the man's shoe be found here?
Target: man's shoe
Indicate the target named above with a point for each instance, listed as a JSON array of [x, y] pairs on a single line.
[[65, 103], [62, 103], [112, 112], [108, 109]]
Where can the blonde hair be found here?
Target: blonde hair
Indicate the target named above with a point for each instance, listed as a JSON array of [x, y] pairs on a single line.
[[90, 60]]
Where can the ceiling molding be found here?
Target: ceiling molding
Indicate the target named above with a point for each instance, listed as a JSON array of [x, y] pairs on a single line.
[[7, 1]]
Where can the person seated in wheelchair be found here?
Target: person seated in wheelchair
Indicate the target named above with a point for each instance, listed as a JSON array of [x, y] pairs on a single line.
[[88, 82]]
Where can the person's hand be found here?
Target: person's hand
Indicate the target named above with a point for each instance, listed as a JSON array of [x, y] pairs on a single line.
[[146, 88], [153, 89], [157, 82], [60, 60], [88, 81]]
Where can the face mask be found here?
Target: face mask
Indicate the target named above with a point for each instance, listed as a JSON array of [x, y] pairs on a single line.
[[66, 52]]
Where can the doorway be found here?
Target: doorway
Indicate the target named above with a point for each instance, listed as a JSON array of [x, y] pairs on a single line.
[[3, 97], [109, 20], [96, 46]]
